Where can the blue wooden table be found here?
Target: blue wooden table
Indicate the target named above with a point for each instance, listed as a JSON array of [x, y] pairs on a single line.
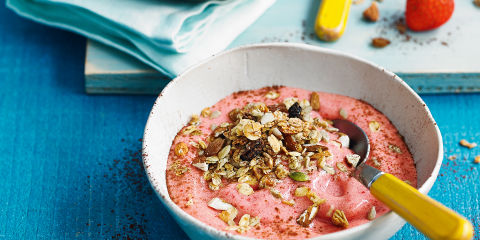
[[70, 165]]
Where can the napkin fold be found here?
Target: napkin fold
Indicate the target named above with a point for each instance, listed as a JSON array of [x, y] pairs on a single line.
[[168, 35]]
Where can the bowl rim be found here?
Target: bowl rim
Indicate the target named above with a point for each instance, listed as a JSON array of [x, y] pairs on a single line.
[[175, 209]]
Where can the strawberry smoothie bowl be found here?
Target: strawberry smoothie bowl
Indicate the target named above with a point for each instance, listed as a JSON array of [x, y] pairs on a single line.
[[242, 146]]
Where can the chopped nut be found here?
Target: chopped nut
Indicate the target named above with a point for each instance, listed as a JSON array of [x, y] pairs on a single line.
[[201, 165], [202, 144], [395, 148], [339, 218], [299, 176], [371, 13], [465, 143], [267, 118], [374, 126], [215, 114], [307, 216], [315, 101], [228, 215], [206, 112], [179, 168], [343, 113], [254, 221], [302, 191], [380, 42], [323, 165], [244, 189], [224, 152], [189, 202], [244, 221], [344, 140], [342, 167], [249, 179], [289, 102], [315, 198], [477, 159], [272, 95], [214, 147], [181, 149], [372, 214], [219, 204], [274, 143], [353, 159]]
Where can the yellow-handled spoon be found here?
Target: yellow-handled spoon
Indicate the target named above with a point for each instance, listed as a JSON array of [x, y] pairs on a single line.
[[427, 215], [332, 18]]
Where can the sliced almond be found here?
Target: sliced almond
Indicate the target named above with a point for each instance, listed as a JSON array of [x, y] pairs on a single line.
[[219, 204], [245, 189]]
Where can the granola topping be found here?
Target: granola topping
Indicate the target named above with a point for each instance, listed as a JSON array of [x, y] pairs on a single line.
[[275, 154]]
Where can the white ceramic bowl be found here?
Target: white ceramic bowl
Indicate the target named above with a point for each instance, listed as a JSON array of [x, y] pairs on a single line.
[[295, 65]]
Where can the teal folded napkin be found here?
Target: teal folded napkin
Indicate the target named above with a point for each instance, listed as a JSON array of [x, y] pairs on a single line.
[[167, 35]]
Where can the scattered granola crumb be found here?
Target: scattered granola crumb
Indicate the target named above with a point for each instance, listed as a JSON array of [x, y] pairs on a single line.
[[357, 2], [307, 216], [372, 214], [215, 114], [339, 218], [453, 157], [181, 149], [380, 42], [395, 148], [245, 189], [179, 168], [467, 144], [376, 162], [477, 159], [374, 126], [190, 202], [272, 95], [371, 13], [206, 112]]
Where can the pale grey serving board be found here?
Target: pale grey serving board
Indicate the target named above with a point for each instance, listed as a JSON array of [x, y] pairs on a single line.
[[439, 61]]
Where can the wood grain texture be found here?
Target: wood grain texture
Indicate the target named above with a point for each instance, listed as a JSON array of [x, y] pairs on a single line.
[[69, 167]]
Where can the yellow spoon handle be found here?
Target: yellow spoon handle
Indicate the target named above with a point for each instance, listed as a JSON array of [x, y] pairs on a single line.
[[427, 215], [332, 18]]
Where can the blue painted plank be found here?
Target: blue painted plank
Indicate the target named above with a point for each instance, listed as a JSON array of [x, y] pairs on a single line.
[[69, 161]]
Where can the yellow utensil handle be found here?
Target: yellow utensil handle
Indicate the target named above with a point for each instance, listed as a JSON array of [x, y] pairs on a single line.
[[427, 215], [332, 18]]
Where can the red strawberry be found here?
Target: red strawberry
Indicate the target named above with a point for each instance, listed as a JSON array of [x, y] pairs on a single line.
[[424, 15]]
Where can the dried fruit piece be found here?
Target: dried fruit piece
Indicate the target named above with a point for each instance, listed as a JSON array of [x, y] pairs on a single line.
[[244, 189], [307, 216], [277, 107], [214, 147], [353, 159], [299, 176], [371, 13], [272, 95], [295, 111], [372, 214], [315, 101], [374, 126], [339, 218], [465, 143], [477, 159], [380, 42], [252, 150], [181, 149]]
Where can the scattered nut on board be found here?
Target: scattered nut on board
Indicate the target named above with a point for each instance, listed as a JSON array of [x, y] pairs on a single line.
[[380, 42], [371, 13], [467, 144]]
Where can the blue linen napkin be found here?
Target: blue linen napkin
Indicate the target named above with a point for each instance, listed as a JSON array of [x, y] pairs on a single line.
[[168, 35]]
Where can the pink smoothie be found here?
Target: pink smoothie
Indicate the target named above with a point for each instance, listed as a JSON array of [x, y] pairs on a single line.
[[277, 220]]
